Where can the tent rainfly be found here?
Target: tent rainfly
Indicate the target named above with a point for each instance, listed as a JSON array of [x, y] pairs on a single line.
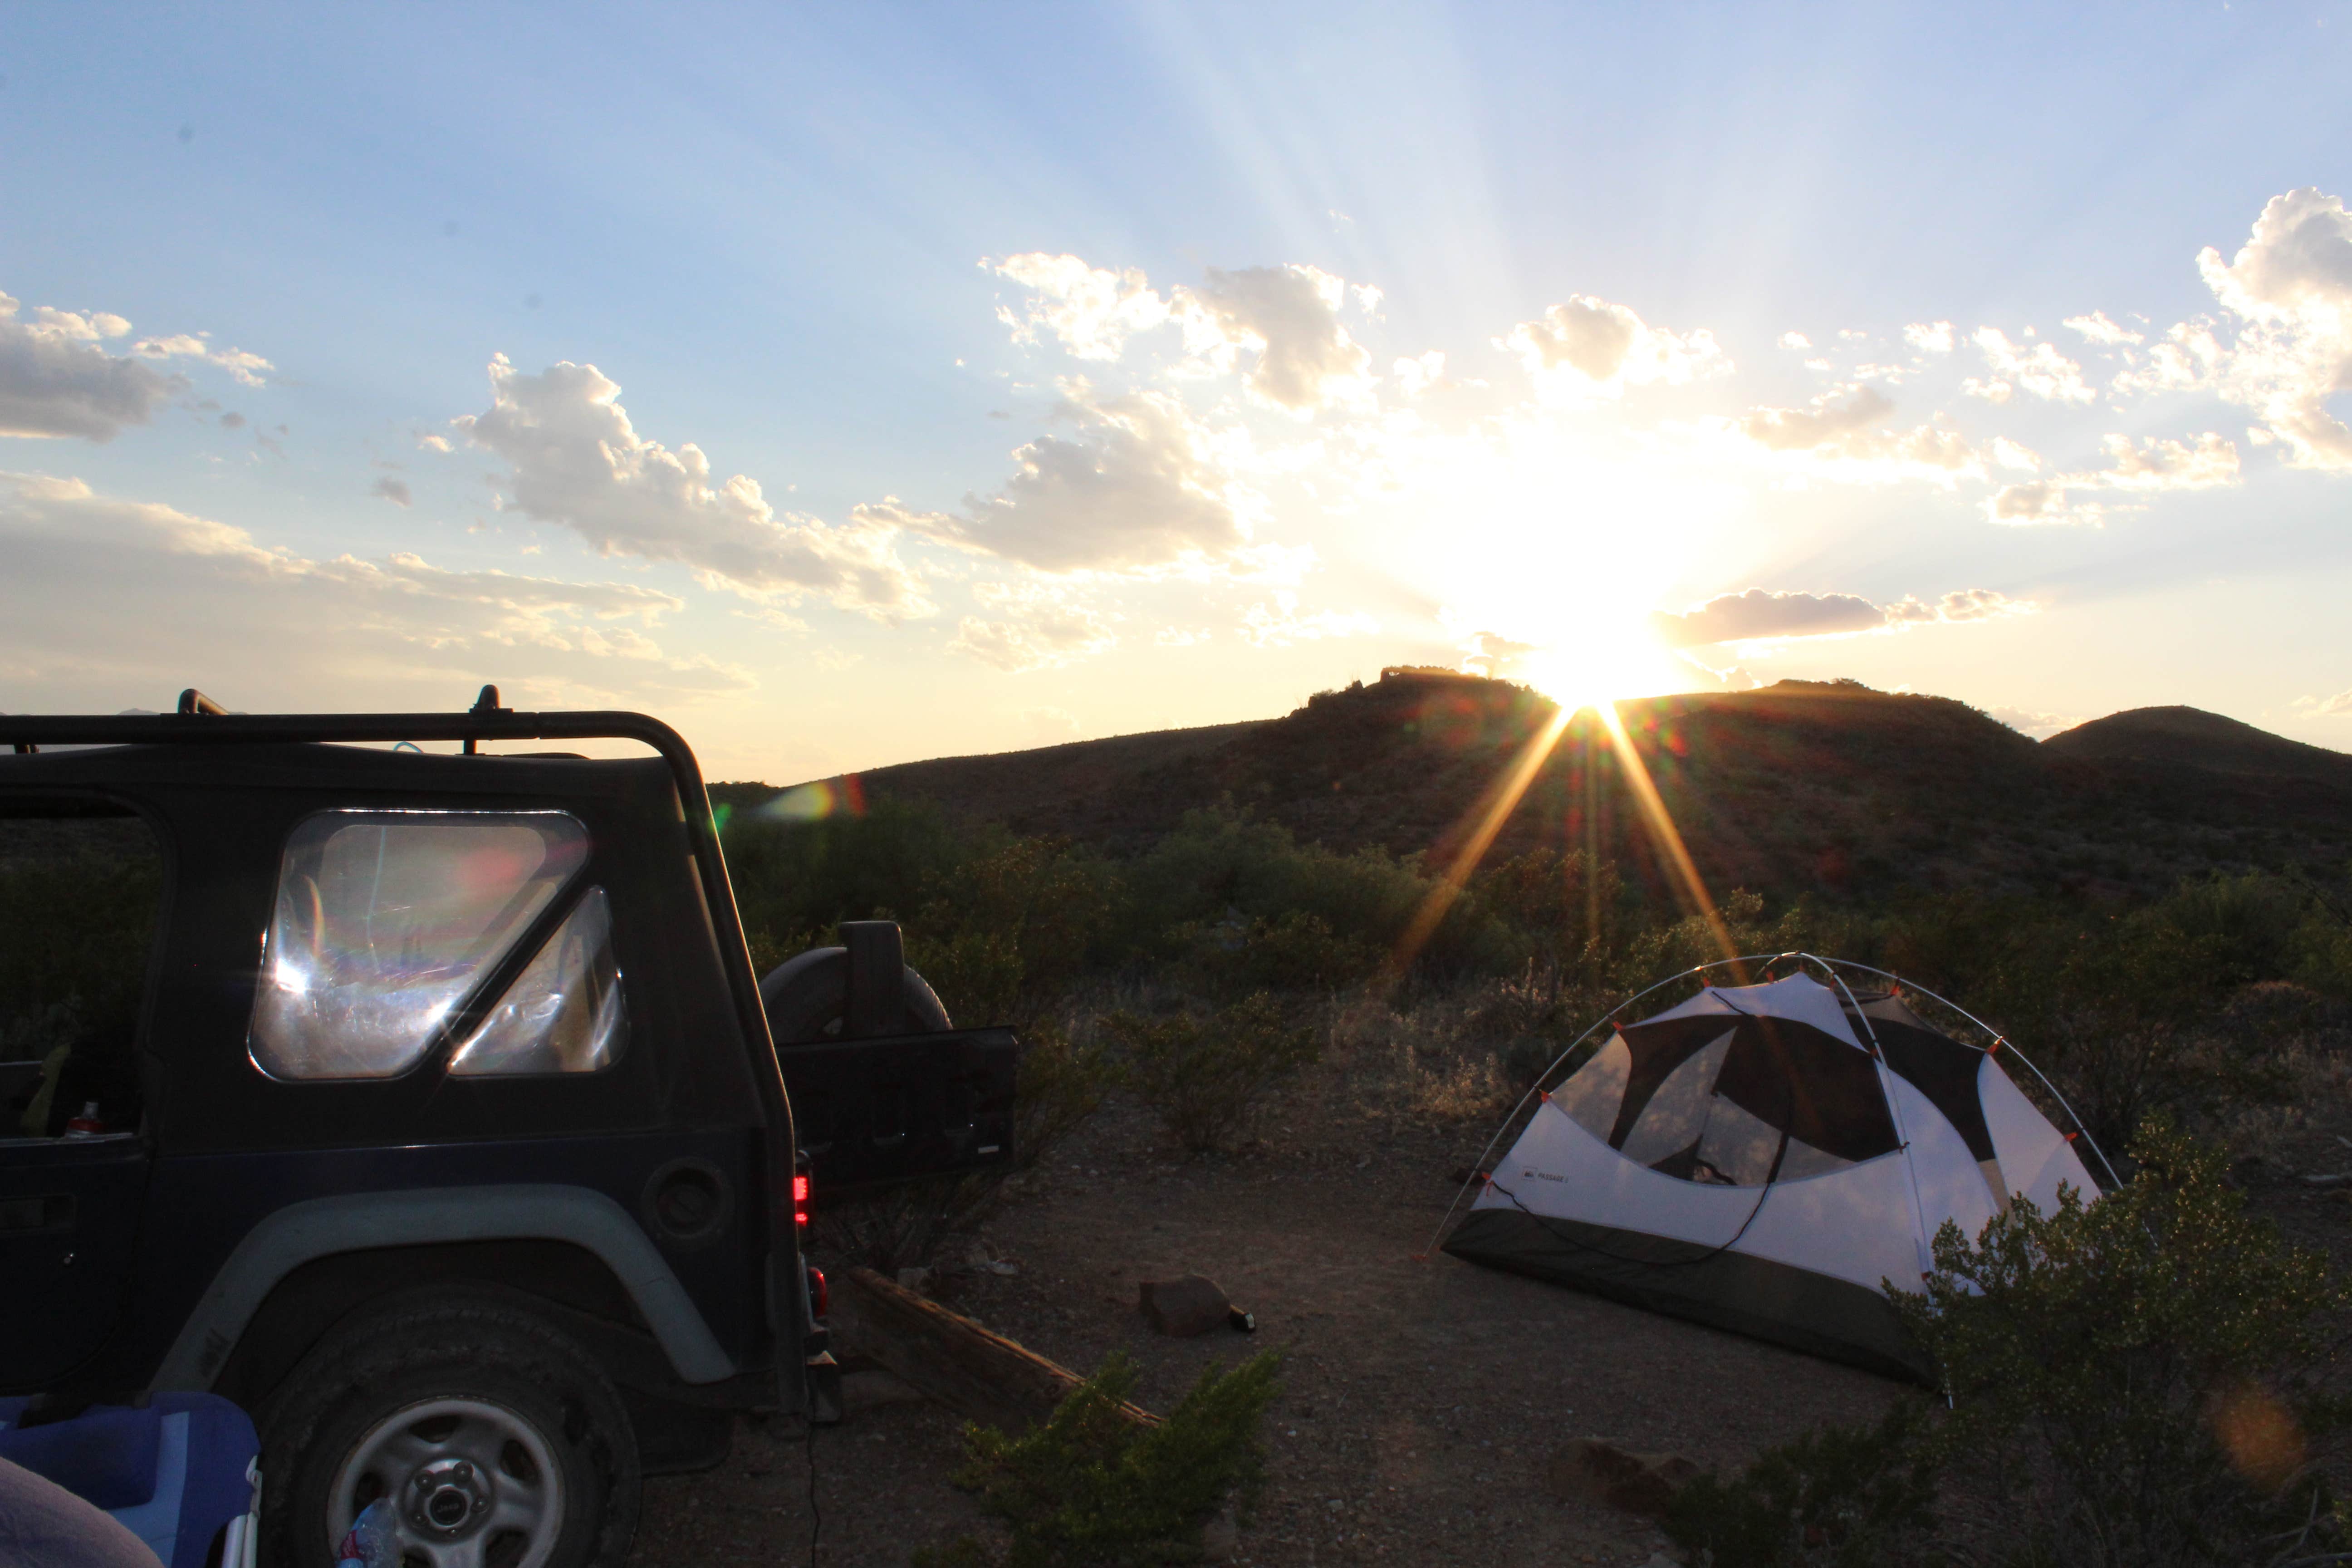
[[1762, 1158]]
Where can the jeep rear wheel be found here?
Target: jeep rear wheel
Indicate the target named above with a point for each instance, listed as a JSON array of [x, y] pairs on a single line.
[[492, 1438]]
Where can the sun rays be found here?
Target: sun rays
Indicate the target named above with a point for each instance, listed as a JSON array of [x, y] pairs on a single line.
[[1494, 809]]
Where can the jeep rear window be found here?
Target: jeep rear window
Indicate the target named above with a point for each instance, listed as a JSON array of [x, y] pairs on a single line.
[[563, 1014], [385, 920]]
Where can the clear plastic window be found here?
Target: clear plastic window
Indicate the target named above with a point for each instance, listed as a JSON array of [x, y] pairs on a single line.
[[386, 920], [563, 1014]]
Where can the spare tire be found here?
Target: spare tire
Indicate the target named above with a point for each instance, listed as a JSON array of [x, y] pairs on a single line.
[[807, 997]]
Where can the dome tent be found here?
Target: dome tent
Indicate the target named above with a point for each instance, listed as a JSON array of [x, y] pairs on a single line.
[[1764, 1157]]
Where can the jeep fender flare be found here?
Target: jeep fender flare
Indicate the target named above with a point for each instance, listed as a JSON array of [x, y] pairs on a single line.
[[314, 1228]]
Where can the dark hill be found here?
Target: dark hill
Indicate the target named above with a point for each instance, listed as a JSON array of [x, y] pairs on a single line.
[[2194, 738], [1803, 787]]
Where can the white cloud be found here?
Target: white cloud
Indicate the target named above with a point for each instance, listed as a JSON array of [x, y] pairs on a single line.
[[173, 580], [1426, 374], [1592, 347], [2030, 722], [2027, 505], [1139, 485], [2097, 328], [1930, 336], [577, 460], [245, 367], [2292, 283], [1091, 309], [2334, 707], [56, 381], [1757, 615], [1278, 623], [2162, 464], [1847, 441], [1289, 318], [1795, 341], [2039, 369], [2189, 357], [2014, 456], [1038, 626]]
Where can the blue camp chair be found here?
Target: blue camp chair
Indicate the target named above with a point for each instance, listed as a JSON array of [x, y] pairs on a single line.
[[179, 1471]]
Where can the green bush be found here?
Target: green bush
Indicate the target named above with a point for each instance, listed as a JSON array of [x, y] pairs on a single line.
[[1205, 1075], [1842, 1497], [1093, 1486], [2138, 1383]]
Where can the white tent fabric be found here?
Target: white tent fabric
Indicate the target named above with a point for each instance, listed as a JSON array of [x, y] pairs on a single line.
[[1772, 1175]]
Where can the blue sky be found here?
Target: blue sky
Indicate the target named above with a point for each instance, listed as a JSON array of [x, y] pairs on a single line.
[[1079, 359]]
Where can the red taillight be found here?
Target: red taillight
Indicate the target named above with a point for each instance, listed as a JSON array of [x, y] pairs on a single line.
[[801, 1201], [820, 1298]]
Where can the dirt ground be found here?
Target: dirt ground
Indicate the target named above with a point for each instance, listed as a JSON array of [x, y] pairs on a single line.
[[1424, 1397]]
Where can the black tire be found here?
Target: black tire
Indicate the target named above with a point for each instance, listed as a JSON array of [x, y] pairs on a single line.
[[806, 998], [334, 1427]]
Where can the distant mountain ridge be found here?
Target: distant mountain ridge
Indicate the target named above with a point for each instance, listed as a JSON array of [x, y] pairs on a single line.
[[1801, 788], [2194, 738]]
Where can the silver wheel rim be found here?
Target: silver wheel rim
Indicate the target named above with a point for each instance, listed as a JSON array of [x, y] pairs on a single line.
[[471, 1484]]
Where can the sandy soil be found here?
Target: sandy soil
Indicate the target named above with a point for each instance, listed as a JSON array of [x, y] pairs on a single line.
[[1424, 1397]]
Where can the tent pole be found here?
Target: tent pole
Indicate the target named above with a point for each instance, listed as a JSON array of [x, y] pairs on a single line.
[[1895, 1107]]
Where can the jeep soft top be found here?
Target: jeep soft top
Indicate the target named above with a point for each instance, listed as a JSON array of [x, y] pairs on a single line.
[[438, 1120]]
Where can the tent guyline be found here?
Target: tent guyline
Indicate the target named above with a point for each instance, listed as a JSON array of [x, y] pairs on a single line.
[[1855, 1126]]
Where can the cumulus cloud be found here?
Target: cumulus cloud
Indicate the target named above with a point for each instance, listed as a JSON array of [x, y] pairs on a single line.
[[2097, 328], [1849, 439], [1593, 347], [2037, 368], [245, 367], [174, 578], [2334, 707], [2039, 502], [1930, 336], [2031, 722], [1288, 317], [55, 380], [2162, 464], [1035, 627], [1278, 623], [1795, 341], [1137, 485], [577, 460], [2292, 283], [1757, 615], [1092, 311]]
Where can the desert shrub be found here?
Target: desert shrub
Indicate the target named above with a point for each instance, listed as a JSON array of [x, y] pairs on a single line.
[[1295, 951], [1204, 1075], [2139, 1381], [1001, 935], [795, 881], [1223, 865], [1561, 904], [1093, 1486], [1841, 1496]]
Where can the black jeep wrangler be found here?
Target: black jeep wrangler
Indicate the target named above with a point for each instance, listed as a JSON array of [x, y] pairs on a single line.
[[425, 1104]]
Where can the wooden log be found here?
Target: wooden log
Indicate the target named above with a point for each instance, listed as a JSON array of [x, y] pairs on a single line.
[[973, 1371]]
